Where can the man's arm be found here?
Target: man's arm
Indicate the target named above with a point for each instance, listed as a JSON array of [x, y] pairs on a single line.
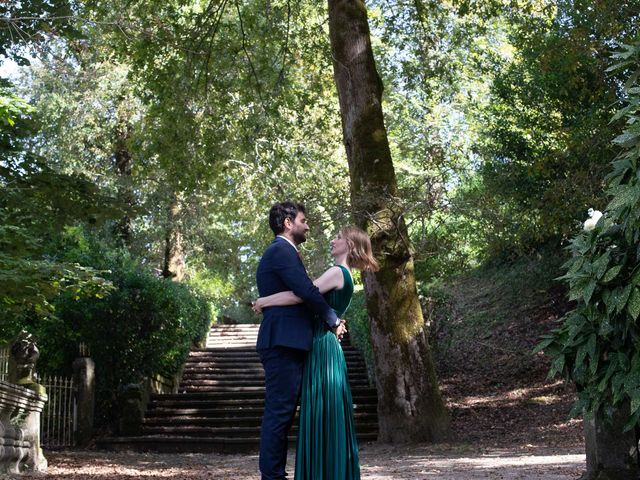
[[290, 269], [329, 280]]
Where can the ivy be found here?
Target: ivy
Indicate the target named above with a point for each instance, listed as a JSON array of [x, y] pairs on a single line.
[[598, 343]]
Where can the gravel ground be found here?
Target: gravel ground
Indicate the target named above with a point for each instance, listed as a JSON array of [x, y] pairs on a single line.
[[379, 462]]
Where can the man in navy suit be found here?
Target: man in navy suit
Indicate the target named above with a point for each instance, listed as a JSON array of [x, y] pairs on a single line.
[[286, 333]]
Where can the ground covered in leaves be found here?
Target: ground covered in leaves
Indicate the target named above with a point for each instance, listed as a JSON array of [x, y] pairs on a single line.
[[379, 462], [509, 421], [484, 330]]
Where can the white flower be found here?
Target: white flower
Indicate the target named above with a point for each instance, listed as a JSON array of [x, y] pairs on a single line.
[[594, 216]]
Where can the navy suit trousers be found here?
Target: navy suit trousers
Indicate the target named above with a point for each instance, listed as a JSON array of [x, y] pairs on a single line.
[[283, 375]]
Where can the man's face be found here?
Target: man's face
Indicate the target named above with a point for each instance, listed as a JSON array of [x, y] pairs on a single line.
[[299, 228]]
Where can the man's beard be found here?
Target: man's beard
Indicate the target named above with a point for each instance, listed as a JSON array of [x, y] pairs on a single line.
[[298, 237]]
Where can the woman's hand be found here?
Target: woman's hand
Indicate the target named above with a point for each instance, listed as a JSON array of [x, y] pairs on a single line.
[[341, 329], [257, 306]]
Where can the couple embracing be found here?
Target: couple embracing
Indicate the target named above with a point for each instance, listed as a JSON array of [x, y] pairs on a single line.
[[300, 351]]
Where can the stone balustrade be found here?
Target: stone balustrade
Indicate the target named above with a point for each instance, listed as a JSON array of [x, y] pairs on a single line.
[[21, 403], [20, 408]]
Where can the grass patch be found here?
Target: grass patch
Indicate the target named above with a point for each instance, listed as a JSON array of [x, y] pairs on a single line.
[[478, 309]]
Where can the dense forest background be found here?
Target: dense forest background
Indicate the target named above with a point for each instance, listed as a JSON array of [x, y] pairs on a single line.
[[142, 144]]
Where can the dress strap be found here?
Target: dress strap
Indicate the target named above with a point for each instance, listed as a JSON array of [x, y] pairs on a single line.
[[346, 271]]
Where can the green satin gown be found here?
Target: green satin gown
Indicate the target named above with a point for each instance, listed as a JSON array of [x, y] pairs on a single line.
[[327, 444]]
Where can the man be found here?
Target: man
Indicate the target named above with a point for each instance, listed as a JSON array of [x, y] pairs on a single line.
[[286, 333]]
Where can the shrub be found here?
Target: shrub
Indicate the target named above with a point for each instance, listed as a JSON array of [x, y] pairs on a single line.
[[146, 325]]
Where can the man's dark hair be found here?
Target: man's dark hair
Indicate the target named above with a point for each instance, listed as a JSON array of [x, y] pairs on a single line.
[[281, 211]]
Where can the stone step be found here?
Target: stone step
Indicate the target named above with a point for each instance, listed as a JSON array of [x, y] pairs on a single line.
[[207, 389], [200, 431], [231, 421], [214, 370], [256, 382], [247, 356], [242, 394], [195, 363], [256, 410], [233, 334], [242, 374], [254, 368], [221, 408], [237, 342], [209, 369], [235, 326], [252, 411], [162, 405], [248, 349], [230, 361], [355, 379], [222, 401], [229, 391], [232, 402], [174, 444]]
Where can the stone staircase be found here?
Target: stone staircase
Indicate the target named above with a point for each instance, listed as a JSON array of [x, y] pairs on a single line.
[[220, 402]]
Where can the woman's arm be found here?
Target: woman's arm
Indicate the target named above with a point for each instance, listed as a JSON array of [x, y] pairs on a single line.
[[279, 299], [329, 280]]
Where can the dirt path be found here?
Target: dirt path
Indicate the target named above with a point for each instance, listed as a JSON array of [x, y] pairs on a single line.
[[379, 462]]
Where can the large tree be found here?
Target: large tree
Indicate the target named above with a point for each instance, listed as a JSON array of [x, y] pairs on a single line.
[[410, 407]]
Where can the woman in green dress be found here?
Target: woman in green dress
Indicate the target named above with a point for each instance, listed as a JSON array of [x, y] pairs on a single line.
[[327, 445]]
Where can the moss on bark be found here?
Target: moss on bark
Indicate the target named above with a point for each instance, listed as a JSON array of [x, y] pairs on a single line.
[[410, 407]]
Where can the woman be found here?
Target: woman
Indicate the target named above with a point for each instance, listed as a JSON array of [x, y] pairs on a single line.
[[327, 445]]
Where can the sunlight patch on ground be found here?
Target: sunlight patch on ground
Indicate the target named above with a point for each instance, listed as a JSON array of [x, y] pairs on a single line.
[[533, 394], [495, 461], [496, 465]]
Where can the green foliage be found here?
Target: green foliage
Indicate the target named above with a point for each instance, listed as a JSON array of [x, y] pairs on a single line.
[[11, 106], [35, 203], [146, 325], [546, 130], [597, 344], [66, 286], [236, 111], [30, 23], [436, 66]]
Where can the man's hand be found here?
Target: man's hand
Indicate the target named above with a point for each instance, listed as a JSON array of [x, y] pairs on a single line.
[[341, 329]]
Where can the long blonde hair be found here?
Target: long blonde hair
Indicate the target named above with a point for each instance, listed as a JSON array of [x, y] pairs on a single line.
[[360, 254]]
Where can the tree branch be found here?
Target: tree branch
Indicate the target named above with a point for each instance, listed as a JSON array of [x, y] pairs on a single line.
[[246, 52]]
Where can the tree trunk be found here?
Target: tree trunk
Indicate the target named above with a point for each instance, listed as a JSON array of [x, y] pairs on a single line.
[[410, 407], [123, 164], [612, 453], [173, 255]]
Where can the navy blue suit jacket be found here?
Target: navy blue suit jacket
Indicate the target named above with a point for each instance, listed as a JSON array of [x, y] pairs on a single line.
[[281, 270]]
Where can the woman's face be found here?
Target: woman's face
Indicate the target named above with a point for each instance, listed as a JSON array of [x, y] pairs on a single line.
[[339, 245]]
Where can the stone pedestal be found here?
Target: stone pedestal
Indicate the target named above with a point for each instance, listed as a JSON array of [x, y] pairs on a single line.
[[85, 382], [133, 403], [134, 398], [20, 409]]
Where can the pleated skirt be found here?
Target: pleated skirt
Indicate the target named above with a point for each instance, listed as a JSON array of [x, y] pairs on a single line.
[[327, 444]]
